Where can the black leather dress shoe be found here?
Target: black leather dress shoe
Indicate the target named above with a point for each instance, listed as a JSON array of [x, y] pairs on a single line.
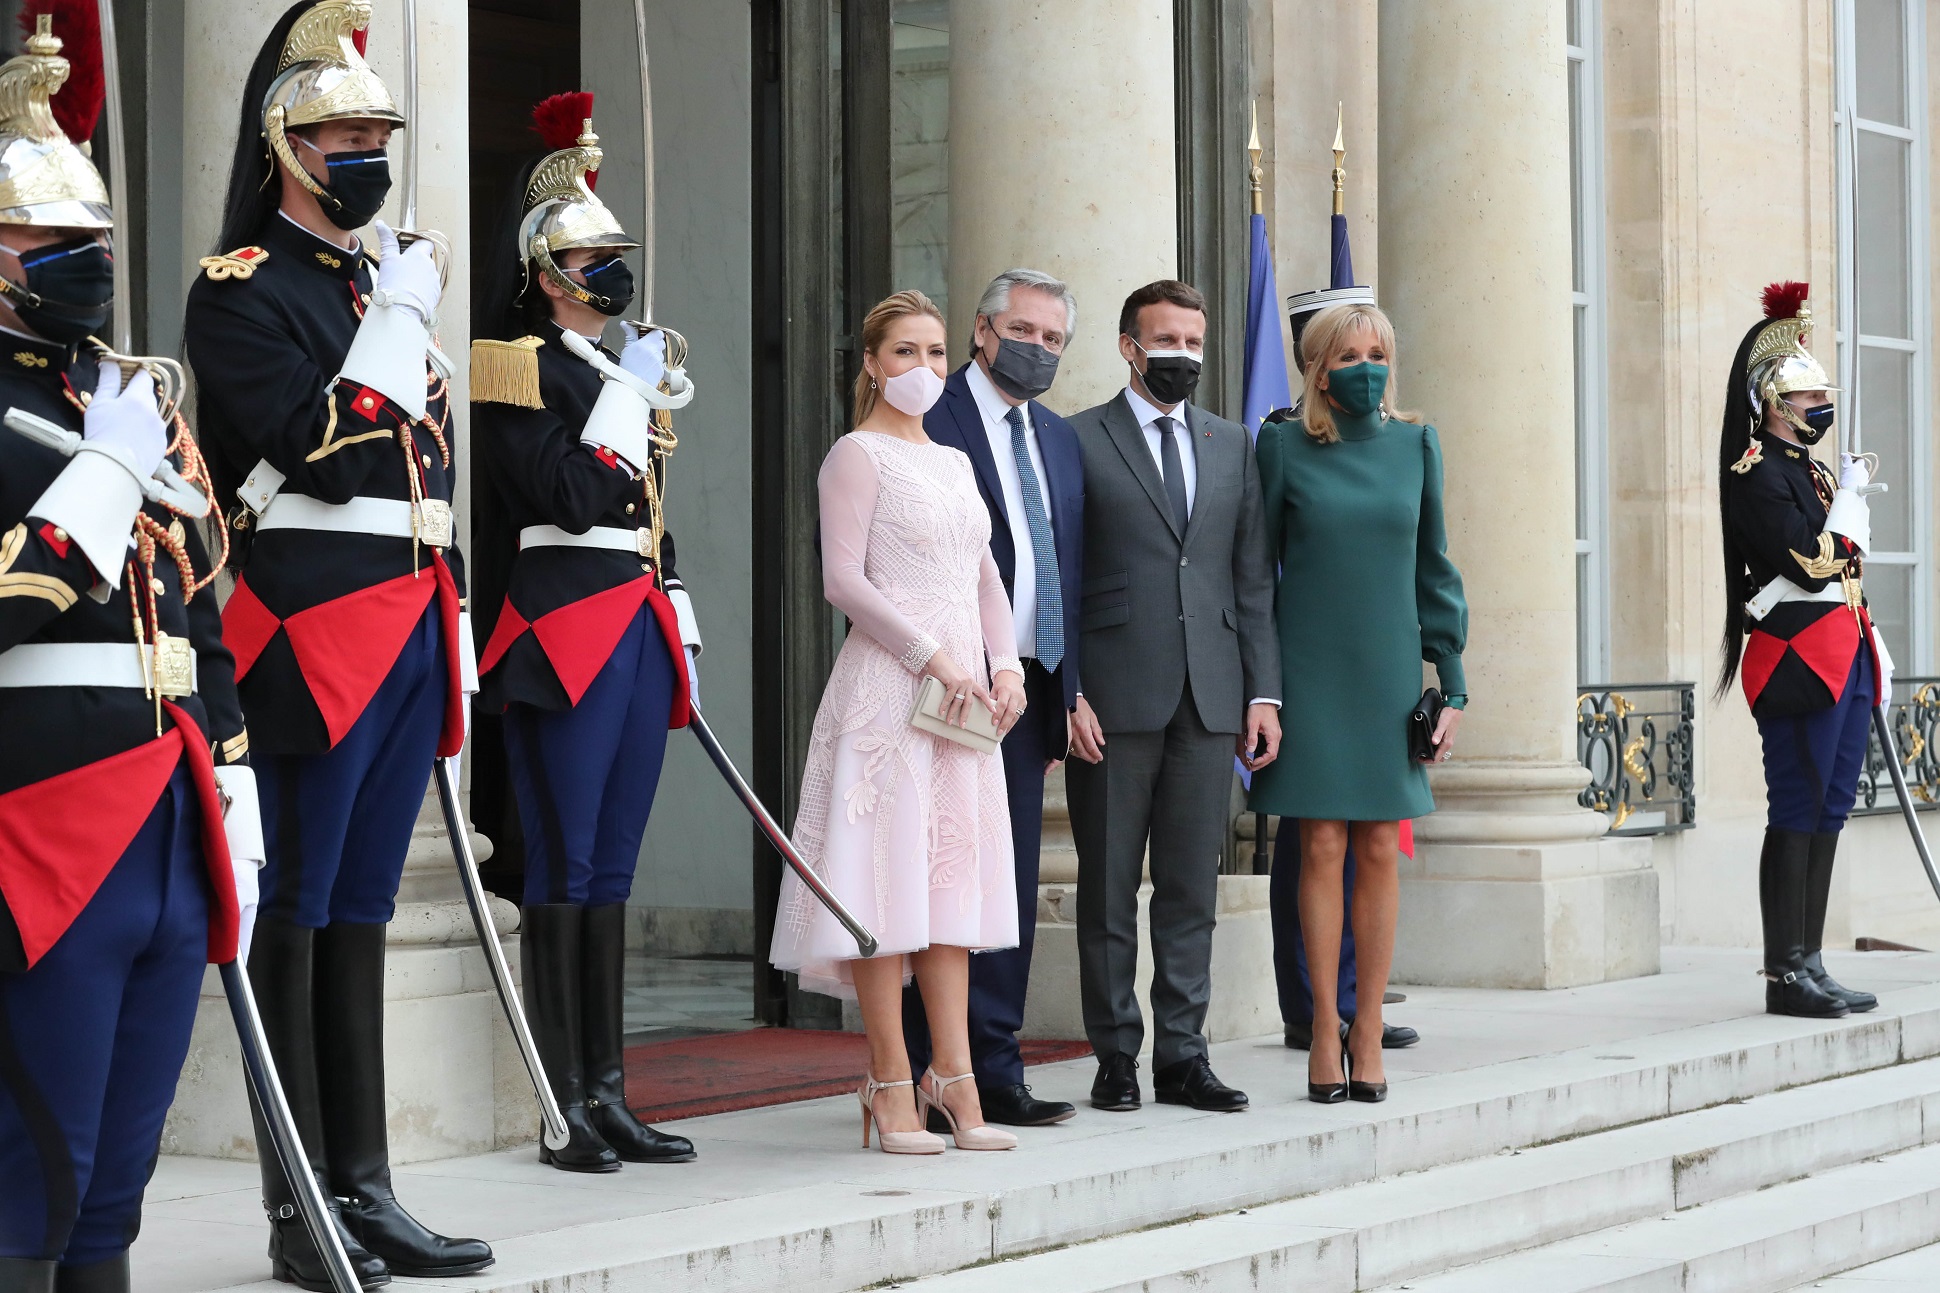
[[1115, 1089], [1015, 1106], [1191, 1082], [1300, 1037]]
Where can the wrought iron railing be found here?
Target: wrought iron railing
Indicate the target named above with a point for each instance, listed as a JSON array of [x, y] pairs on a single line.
[[1635, 738], [1915, 719]]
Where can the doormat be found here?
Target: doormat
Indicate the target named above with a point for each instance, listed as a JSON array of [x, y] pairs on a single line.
[[689, 1076]]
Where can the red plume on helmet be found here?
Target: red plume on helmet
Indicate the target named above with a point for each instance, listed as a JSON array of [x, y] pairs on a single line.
[[1783, 300], [559, 120], [77, 107], [360, 41]]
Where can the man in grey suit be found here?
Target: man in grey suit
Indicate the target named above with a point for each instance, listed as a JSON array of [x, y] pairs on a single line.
[[1182, 671]]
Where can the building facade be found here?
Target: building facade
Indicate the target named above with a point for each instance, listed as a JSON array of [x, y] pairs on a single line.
[[1568, 206]]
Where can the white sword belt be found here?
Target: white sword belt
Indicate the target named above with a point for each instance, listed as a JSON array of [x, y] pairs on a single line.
[[429, 522], [1782, 589], [609, 537], [100, 664]]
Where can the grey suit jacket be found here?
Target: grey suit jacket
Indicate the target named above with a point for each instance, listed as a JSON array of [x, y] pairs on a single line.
[[1159, 606]]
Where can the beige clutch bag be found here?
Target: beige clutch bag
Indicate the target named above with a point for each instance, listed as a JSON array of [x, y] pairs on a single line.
[[979, 732]]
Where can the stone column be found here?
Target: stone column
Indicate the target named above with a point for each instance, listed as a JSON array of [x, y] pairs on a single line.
[[1512, 885], [1076, 177]]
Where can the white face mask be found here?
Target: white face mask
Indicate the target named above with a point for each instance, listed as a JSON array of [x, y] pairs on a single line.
[[915, 391]]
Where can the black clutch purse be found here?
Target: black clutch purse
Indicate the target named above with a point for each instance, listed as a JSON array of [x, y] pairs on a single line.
[[1422, 721]]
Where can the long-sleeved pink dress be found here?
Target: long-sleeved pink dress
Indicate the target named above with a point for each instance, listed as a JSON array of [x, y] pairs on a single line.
[[910, 831]]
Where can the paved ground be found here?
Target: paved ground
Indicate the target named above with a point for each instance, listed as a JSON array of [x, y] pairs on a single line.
[[204, 1229]]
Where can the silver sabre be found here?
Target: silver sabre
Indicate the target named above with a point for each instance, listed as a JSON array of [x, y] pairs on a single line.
[[553, 1125], [1883, 726], [260, 1069], [865, 941]]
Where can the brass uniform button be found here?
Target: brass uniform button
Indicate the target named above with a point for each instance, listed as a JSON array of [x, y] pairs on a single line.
[[425, 458], [155, 585], [367, 403], [60, 535], [629, 509]]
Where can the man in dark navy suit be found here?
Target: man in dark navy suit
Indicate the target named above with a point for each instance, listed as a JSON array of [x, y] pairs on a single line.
[[1032, 480]]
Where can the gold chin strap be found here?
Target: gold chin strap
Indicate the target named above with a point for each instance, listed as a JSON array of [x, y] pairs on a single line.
[[279, 147], [538, 253]]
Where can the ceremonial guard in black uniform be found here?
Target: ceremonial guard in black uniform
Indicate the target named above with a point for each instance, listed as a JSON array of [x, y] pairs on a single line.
[[122, 741], [1797, 634], [591, 653], [325, 417]]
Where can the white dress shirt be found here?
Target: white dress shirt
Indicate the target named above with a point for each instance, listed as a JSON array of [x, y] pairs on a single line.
[[996, 428]]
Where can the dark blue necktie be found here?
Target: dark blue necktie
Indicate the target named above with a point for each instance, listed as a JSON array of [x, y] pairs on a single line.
[[1174, 470], [1044, 551]]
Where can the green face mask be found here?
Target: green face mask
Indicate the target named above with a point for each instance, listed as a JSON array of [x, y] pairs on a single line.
[[1358, 388]]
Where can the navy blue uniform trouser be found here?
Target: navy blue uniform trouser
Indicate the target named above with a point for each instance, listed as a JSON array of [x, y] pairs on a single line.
[[336, 825], [1290, 945], [1812, 761], [585, 777], [999, 980], [92, 1039]]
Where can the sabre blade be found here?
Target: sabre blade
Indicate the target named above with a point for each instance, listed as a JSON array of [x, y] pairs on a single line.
[[408, 199], [645, 289], [553, 1124], [124, 323], [865, 941], [1883, 727], [259, 1067]]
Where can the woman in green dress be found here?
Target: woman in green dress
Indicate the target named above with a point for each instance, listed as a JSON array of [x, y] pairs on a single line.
[[1353, 492]]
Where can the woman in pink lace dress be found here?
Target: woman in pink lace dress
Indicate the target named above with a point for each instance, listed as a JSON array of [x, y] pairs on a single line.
[[911, 831]]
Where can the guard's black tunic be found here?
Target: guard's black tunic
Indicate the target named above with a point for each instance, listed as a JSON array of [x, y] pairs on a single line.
[[1798, 656], [45, 596], [544, 475], [265, 343]]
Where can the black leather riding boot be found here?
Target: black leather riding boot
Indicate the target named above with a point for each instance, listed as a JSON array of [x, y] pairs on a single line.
[[110, 1276], [282, 975], [603, 985], [550, 935], [19, 1275], [1789, 989], [349, 1007], [1818, 895]]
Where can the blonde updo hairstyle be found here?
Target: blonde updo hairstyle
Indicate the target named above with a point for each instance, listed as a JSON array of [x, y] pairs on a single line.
[[875, 330], [1326, 336]]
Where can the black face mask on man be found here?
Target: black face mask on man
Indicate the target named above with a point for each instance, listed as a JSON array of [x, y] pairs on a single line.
[[358, 185], [69, 289], [1022, 370], [611, 283], [1170, 376]]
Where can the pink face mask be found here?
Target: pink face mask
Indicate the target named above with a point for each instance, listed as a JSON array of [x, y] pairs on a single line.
[[915, 391]]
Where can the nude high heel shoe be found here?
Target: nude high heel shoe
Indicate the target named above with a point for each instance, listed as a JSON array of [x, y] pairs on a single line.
[[893, 1142], [930, 1094]]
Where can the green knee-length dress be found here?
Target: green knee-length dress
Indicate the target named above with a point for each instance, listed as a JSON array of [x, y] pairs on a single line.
[[1366, 593]]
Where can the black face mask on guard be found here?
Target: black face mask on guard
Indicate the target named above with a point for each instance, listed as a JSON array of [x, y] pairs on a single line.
[[1817, 422], [358, 185], [611, 283], [69, 291]]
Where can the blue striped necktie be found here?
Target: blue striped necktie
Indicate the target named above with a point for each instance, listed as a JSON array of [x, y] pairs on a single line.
[[1044, 551]]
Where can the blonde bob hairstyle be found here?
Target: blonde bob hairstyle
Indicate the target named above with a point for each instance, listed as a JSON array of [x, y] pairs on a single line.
[[1326, 336], [875, 330]]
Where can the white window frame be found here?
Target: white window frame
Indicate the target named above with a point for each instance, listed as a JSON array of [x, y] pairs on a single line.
[[1593, 619], [1915, 474]]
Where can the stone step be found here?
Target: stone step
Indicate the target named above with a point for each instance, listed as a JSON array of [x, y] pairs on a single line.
[[1763, 1242], [1910, 1271], [1424, 1222], [774, 1205]]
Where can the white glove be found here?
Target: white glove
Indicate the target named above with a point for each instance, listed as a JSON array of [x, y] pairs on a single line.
[[247, 899], [694, 675], [408, 278], [242, 822], [1853, 472], [646, 357], [126, 421]]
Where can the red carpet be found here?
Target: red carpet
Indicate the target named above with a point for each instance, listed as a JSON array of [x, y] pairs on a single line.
[[721, 1072]]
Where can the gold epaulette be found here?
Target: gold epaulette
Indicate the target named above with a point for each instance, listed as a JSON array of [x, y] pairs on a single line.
[[240, 263], [507, 372]]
